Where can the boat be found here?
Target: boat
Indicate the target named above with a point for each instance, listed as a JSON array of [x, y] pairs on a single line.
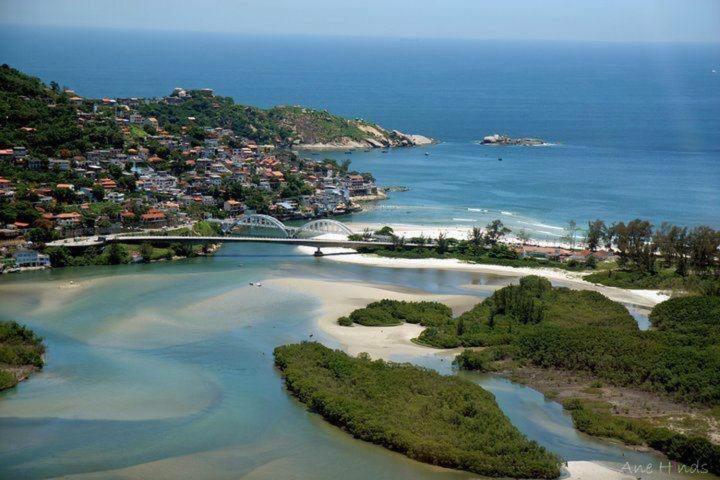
[[427, 154], [384, 151], [499, 159], [349, 152]]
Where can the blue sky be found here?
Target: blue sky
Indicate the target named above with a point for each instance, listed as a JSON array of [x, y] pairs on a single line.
[[591, 20]]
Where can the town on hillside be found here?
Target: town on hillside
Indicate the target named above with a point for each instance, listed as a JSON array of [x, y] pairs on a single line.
[[150, 173]]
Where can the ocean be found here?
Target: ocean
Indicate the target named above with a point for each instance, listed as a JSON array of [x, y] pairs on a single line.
[[635, 128]]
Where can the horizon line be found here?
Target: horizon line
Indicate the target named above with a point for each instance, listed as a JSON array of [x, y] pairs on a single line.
[[358, 37]]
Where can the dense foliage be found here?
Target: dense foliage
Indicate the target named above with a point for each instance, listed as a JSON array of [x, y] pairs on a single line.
[[19, 347], [394, 312], [280, 125], [581, 331], [43, 119], [432, 418], [595, 418]]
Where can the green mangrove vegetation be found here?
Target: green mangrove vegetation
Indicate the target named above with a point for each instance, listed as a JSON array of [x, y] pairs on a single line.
[[21, 352], [538, 325], [381, 402], [596, 418]]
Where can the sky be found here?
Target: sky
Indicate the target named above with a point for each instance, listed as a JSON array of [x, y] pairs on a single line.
[[572, 20]]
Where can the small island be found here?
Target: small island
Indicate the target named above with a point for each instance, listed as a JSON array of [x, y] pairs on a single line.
[[21, 353], [440, 420], [504, 140]]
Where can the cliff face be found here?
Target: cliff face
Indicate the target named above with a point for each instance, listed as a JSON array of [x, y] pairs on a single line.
[[320, 130]]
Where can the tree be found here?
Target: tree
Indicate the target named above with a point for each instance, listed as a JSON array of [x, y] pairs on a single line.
[[596, 233], [146, 250], [494, 231], [117, 254], [127, 182], [523, 236], [704, 244], [98, 192], [571, 233], [634, 244], [476, 237], [385, 231], [442, 245]]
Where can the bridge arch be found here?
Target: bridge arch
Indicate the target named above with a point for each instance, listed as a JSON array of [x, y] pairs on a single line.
[[324, 225], [258, 220]]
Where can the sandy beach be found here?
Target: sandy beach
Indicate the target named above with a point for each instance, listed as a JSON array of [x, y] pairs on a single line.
[[340, 298], [642, 298]]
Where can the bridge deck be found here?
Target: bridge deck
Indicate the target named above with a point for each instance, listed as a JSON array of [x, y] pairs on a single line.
[[286, 241]]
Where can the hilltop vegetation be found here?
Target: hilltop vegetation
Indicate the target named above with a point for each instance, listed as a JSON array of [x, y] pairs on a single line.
[[283, 125], [42, 119], [20, 353], [435, 419]]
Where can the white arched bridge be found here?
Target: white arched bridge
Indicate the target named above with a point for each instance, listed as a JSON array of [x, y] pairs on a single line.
[[268, 223], [283, 234]]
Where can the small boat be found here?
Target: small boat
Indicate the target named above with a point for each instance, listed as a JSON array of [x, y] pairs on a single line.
[[252, 283], [427, 154], [349, 152], [499, 159], [384, 151]]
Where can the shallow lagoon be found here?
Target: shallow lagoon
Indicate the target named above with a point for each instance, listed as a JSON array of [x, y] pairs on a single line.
[[166, 370]]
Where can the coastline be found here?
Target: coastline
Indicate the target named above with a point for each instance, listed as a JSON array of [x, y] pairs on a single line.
[[642, 298]]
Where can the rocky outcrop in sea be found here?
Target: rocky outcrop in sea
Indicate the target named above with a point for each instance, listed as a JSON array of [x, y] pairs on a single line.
[[502, 140]]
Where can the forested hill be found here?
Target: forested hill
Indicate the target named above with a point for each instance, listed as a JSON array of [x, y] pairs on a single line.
[[284, 125], [50, 121], [44, 120]]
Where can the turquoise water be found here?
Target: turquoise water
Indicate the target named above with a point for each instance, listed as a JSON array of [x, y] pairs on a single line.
[[637, 126], [166, 370]]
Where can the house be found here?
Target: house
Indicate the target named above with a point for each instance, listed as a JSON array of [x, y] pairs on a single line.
[[33, 163], [233, 206], [153, 217], [5, 184], [21, 152], [108, 183], [70, 219], [31, 258], [7, 154], [59, 164], [136, 119], [115, 197]]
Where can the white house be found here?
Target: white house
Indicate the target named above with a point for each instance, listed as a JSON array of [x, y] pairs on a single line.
[[31, 258]]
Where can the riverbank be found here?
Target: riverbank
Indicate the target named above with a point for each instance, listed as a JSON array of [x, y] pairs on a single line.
[[643, 298]]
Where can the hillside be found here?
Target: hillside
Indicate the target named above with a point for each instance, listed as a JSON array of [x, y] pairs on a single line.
[[52, 122], [284, 125], [42, 119]]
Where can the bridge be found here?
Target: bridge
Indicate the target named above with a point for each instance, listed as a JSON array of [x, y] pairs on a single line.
[[266, 222], [287, 235]]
